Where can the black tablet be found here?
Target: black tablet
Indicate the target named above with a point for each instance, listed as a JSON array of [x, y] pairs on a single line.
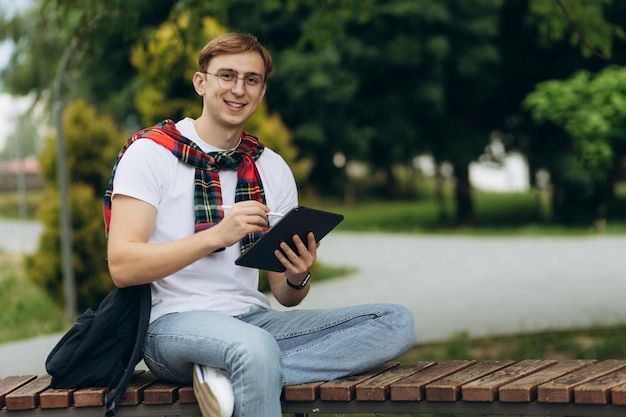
[[300, 221]]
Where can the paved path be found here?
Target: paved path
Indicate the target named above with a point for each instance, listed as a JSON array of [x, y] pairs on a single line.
[[19, 236], [482, 286]]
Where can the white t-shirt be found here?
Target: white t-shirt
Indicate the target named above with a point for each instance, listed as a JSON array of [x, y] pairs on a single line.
[[151, 173]]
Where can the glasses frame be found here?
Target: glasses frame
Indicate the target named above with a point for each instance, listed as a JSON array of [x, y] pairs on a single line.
[[233, 82]]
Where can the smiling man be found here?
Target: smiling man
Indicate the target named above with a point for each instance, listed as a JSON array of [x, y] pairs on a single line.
[[167, 226]]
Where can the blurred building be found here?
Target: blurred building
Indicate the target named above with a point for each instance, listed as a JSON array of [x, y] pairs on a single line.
[[16, 170], [508, 174]]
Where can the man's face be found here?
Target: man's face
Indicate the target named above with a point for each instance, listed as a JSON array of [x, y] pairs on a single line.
[[234, 86]]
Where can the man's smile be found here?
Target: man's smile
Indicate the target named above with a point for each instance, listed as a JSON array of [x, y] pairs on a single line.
[[234, 104]]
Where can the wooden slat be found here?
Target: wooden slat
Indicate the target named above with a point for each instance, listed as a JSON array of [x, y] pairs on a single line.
[[561, 389], [344, 389], [618, 395], [303, 392], [56, 398], [161, 393], [412, 388], [486, 388], [598, 391], [89, 397], [377, 388], [525, 389], [134, 392], [186, 395], [11, 383], [27, 396], [584, 382], [449, 388]]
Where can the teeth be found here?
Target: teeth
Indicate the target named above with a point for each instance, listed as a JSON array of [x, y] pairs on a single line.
[[230, 103]]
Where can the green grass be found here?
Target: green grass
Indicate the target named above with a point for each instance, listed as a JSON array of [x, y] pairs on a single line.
[[27, 311], [519, 214], [11, 204], [599, 342]]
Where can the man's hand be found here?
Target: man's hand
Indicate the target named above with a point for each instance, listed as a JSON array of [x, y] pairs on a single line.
[[297, 264], [241, 219], [300, 263]]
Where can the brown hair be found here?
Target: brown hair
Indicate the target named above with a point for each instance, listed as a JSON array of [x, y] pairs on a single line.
[[233, 43]]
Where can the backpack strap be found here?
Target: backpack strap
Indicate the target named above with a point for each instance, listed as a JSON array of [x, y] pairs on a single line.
[[143, 295]]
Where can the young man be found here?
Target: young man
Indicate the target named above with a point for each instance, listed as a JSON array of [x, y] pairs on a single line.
[[168, 226]]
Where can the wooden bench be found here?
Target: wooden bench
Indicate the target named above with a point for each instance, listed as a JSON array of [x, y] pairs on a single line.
[[530, 387]]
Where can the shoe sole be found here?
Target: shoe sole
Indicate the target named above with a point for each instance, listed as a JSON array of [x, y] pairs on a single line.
[[209, 405]]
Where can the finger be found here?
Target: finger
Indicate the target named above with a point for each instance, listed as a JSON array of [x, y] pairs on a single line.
[[284, 260], [306, 253], [300, 260], [312, 244], [289, 252]]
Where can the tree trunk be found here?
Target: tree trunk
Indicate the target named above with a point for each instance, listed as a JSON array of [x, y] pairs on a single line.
[[440, 197], [465, 213]]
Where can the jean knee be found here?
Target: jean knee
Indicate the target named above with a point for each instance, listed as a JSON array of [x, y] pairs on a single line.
[[404, 323], [260, 351]]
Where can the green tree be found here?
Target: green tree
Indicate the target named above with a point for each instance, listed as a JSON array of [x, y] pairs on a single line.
[[100, 70], [379, 81], [93, 141], [591, 109], [582, 23]]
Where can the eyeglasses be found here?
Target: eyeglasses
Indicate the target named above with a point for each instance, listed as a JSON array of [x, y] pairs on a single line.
[[228, 79]]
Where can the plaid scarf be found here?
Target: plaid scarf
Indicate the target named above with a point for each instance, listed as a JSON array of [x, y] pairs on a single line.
[[207, 189]]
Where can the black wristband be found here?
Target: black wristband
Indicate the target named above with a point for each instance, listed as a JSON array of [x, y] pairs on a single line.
[[302, 285]]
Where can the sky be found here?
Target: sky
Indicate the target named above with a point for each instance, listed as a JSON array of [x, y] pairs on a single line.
[[10, 107]]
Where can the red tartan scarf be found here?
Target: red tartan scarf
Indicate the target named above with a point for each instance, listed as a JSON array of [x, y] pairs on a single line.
[[207, 188]]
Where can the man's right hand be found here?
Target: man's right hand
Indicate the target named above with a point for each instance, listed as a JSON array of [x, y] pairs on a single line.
[[239, 220]]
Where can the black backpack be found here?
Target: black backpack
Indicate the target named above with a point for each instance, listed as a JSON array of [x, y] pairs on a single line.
[[103, 347]]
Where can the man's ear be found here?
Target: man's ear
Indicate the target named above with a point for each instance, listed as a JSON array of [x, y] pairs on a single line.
[[198, 83]]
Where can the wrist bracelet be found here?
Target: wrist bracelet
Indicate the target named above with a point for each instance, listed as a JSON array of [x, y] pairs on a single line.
[[301, 285]]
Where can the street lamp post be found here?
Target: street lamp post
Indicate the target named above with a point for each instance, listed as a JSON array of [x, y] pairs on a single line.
[[69, 285]]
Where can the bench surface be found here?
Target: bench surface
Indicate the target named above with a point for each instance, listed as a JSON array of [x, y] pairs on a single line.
[[529, 387]]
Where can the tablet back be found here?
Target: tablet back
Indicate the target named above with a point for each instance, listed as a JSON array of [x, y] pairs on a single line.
[[300, 221]]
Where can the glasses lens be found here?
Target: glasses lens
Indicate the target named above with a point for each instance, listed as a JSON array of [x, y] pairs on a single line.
[[228, 80], [225, 80]]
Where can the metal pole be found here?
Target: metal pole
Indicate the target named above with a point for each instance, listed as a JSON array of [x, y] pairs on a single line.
[[69, 285], [21, 176]]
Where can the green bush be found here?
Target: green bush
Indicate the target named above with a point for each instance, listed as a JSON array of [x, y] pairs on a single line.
[[92, 142]]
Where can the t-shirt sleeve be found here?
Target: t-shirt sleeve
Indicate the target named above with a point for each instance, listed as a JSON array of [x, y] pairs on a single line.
[[144, 172]]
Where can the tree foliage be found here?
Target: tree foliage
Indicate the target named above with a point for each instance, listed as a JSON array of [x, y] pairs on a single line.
[[583, 23], [378, 80], [591, 109], [94, 141]]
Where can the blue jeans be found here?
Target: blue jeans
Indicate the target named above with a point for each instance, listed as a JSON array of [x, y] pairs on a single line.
[[264, 350]]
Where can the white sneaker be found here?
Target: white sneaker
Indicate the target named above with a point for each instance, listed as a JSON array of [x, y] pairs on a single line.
[[214, 391]]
